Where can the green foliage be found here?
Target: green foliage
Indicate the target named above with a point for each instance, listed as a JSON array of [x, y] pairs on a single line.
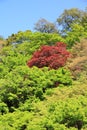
[[18, 120], [20, 37], [24, 83], [41, 99], [34, 38], [60, 113], [75, 35], [70, 16], [68, 113], [59, 116], [3, 108], [3, 70]]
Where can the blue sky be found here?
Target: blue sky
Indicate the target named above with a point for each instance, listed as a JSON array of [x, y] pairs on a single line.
[[21, 15]]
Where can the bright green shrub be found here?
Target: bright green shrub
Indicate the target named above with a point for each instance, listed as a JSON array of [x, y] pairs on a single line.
[[24, 83], [3, 108], [3, 70], [70, 112]]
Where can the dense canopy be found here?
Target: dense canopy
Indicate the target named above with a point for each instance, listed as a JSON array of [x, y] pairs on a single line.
[[43, 76]]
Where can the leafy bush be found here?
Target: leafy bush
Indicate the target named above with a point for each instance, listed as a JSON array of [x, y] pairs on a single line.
[[3, 108], [25, 83], [50, 56], [72, 115]]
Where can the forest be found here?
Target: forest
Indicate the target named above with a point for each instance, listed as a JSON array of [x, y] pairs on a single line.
[[43, 75]]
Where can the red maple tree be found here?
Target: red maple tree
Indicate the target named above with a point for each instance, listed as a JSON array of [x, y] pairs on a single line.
[[50, 56]]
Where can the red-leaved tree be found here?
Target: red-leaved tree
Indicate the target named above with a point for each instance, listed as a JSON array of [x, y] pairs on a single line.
[[50, 56]]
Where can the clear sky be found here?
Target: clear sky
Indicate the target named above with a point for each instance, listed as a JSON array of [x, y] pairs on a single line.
[[21, 15]]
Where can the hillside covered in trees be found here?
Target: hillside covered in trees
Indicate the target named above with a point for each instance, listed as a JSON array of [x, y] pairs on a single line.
[[43, 75]]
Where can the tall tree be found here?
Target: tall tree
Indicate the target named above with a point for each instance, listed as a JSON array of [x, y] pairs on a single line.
[[84, 20], [68, 17], [45, 26]]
